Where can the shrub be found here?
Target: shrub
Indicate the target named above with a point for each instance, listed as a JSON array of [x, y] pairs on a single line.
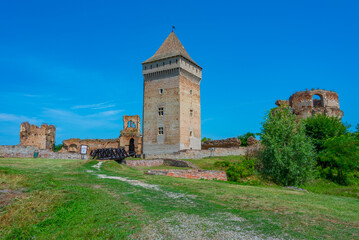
[[245, 137], [320, 128], [340, 159], [239, 170], [204, 139], [288, 156], [58, 147]]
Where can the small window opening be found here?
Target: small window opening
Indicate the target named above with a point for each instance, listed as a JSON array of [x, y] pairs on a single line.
[[133, 125], [145, 67], [160, 111], [176, 60], [163, 63], [190, 91], [161, 90], [190, 133], [170, 62], [129, 124], [157, 65], [151, 67], [191, 113], [318, 101], [160, 131]]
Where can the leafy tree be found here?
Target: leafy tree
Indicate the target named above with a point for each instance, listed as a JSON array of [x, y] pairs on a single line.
[[287, 156], [320, 128], [58, 147], [243, 138], [341, 157], [204, 139]]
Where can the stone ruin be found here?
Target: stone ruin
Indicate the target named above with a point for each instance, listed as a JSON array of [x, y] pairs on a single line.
[[308, 103], [32, 135], [130, 139], [222, 143]]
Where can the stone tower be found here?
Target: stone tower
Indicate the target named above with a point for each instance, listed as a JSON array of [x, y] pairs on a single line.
[[171, 100]]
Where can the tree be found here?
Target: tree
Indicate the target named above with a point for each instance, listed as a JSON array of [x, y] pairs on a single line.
[[287, 156], [341, 157], [243, 138], [320, 128], [204, 139]]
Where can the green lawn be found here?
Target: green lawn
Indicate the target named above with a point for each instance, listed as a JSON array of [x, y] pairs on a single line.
[[66, 199]]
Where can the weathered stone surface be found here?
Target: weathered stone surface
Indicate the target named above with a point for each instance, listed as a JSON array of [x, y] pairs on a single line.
[[252, 141], [192, 173], [12, 151], [32, 135], [222, 143], [130, 139], [304, 105], [73, 145], [159, 162], [198, 154]]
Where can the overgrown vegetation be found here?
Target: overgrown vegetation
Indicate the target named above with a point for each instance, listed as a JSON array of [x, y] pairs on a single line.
[[58, 147]]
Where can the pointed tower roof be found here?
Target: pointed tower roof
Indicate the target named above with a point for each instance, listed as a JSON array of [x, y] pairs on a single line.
[[171, 47]]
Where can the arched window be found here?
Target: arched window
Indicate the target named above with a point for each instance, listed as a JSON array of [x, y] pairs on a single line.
[[129, 124], [318, 101], [133, 125]]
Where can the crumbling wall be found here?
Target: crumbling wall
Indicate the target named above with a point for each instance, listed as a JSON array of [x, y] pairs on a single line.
[[131, 138], [32, 135], [222, 143], [198, 154], [16, 151], [73, 145], [304, 104], [191, 173]]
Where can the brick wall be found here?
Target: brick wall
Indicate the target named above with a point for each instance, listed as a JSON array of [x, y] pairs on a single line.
[[192, 173], [198, 154], [159, 162]]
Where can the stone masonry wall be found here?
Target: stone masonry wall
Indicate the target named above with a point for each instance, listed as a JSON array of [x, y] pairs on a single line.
[[192, 173], [222, 143], [198, 154], [12, 151], [32, 135]]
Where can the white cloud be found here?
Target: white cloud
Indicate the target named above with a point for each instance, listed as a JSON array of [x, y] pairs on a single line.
[[6, 117], [94, 106]]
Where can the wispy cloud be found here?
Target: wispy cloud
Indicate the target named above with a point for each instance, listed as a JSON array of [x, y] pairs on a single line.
[[6, 117], [95, 106], [104, 119]]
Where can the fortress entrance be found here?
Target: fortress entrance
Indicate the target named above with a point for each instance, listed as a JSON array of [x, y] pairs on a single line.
[[131, 147]]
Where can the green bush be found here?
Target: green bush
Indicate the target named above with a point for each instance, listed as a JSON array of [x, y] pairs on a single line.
[[340, 159], [204, 139], [288, 156], [237, 171], [243, 138], [320, 128], [58, 147]]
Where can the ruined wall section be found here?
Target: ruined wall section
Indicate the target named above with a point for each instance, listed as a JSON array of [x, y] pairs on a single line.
[[131, 138], [222, 143], [32, 135], [304, 105], [73, 145]]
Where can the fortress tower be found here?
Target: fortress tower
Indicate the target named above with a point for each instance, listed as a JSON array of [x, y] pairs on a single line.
[[171, 100]]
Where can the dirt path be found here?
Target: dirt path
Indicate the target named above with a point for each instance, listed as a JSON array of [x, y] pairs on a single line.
[[182, 225]]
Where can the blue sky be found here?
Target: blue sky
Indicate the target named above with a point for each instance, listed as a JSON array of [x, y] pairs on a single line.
[[77, 64]]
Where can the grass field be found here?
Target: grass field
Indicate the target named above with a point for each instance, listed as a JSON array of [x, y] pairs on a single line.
[[72, 199]]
